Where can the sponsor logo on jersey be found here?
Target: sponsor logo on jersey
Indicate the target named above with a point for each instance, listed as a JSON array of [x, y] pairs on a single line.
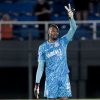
[[54, 52]]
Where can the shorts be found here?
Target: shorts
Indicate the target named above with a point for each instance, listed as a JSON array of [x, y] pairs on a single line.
[[58, 87]]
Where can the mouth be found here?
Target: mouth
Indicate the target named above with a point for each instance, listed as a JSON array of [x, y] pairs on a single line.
[[55, 37]]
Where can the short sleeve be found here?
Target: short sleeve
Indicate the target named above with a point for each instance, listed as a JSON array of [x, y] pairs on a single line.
[[41, 56]]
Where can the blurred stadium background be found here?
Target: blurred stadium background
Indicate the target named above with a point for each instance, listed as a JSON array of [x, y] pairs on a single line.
[[20, 38]]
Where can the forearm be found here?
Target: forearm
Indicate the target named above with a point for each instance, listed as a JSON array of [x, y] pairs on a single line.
[[43, 12], [49, 11], [72, 24], [72, 29], [39, 71], [39, 13]]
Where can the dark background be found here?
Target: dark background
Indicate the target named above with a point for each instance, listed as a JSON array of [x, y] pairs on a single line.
[[83, 59], [18, 53]]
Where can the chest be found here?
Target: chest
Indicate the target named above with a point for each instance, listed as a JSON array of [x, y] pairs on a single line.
[[54, 50], [41, 7]]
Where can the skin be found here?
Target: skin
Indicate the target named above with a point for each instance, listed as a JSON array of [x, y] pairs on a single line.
[[44, 11], [53, 34]]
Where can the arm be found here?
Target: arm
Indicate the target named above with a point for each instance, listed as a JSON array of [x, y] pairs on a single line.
[[38, 78], [41, 60], [39, 71], [45, 10], [72, 29], [42, 12], [39, 13], [73, 26]]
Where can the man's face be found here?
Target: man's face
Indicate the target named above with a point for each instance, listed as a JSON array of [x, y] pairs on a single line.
[[53, 33]]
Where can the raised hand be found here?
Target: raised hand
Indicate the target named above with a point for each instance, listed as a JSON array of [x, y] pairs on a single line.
[[69, 10]]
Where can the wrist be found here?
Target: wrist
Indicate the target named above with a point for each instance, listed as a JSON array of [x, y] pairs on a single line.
[[37, 85], [71, 17]]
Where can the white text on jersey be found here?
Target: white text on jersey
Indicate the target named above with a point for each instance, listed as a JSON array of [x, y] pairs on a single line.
[[54, 52]]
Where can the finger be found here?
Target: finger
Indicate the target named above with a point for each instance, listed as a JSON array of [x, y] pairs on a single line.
[[37, 91], [66, 8], [37, 97], [69, 6]]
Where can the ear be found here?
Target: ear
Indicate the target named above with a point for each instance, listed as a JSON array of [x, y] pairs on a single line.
[[48, 31]]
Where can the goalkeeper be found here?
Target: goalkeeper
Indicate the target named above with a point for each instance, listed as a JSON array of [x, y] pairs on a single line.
[[53, 53]]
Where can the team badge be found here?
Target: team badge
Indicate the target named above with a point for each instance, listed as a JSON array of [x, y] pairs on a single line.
[[57, 44]]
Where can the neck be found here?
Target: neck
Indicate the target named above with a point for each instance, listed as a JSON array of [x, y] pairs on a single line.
[[51, 40]]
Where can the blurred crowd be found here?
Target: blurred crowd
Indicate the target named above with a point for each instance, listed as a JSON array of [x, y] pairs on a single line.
[[84, 8], [45, 10]]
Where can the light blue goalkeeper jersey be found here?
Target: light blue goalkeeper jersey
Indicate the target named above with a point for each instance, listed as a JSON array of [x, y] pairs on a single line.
[[54, 55]]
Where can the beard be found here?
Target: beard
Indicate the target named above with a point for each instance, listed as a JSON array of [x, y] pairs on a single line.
[[54, 38]]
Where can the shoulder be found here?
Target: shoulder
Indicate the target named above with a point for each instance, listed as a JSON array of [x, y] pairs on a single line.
[[64, 40], [61, 39], [42, 46]]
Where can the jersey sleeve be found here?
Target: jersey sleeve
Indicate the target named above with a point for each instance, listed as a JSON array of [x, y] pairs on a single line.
[[68, 37], [41, 60], [39, 71], [41, 56]]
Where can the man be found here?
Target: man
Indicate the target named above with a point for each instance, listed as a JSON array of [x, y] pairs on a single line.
[[81, 7], [53, 53], [6, 29], [42, 11]]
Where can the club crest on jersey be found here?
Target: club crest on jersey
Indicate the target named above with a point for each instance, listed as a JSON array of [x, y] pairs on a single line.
[[54, 52], [57, 44]]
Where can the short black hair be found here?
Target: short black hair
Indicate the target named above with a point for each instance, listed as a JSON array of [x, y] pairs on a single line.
[[55, 26]]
